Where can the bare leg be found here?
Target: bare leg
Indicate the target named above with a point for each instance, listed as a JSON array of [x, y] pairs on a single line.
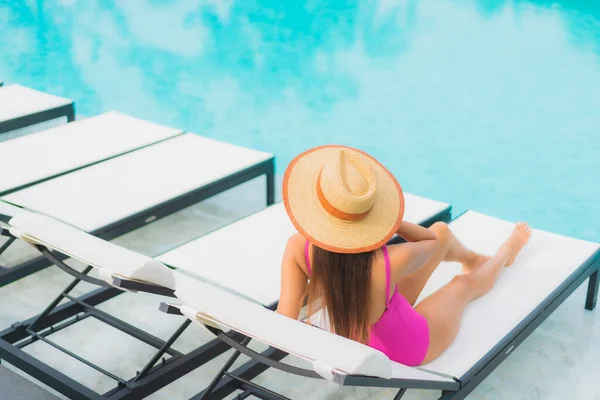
[[443, 310], [451, 249]]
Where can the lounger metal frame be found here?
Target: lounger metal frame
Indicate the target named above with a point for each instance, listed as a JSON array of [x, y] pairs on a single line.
[[135, 221], [67, 110], [227, 382], [158, 371], [152, 377]]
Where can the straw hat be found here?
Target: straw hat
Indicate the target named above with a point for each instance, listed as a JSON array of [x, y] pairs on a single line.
[[342, 200]]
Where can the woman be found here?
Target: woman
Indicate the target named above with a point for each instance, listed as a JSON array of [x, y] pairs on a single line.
[[346, 206]]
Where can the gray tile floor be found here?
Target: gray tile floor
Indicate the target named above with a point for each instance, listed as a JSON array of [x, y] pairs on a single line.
[[559, 361]]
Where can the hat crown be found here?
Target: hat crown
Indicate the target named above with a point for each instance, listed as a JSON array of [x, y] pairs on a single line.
[[348, 183]]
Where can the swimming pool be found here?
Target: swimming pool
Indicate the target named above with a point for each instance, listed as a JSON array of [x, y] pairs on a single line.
[[489, 105]]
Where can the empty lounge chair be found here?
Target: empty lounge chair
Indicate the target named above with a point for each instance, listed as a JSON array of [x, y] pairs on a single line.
[[115, 173], [21, 107]]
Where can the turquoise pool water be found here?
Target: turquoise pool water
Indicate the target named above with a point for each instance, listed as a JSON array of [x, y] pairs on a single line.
[[490, 105]]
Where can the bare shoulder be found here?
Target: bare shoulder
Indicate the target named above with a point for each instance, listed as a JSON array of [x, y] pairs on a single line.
[[400, 255], [295, 242], [294, 247], [294, 252]]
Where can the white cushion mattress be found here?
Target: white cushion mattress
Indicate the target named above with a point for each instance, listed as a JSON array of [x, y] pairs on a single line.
[[545, 263], [104, 193], [245, 256], [53, 151], [17, 101]]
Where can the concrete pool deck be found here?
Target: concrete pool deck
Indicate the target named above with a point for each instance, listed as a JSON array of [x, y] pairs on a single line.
[[558, 361]]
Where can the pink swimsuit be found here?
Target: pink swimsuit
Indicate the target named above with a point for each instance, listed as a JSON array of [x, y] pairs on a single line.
[[401, 333]]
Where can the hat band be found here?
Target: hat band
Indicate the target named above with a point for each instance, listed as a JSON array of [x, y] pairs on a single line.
[[336, 212]]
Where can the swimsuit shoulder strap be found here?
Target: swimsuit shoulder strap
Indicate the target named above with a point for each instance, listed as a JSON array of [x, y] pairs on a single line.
[[307, 258], [388, 274]]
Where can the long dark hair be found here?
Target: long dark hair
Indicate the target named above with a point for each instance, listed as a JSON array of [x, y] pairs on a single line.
[[341, 284]]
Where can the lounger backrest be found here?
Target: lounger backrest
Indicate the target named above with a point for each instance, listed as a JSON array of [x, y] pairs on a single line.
[[327, 352], [112, 259]]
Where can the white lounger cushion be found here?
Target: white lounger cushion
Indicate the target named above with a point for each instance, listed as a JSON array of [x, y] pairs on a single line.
[[18, 101], [99, 195], [545, 263], [112, 259], [53, 151], [327, 352], [245, 256]]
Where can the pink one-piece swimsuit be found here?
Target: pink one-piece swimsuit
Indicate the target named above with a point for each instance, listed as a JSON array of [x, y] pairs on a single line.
[[401, 333]]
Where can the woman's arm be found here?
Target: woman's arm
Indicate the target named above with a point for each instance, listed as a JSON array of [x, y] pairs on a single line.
[[293, 279], [414, 233], [421, 245]]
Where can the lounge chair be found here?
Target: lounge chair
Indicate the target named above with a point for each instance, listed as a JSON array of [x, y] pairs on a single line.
[[119, 269], [122, 174], [549, 269], [21, 107], [171, 170]]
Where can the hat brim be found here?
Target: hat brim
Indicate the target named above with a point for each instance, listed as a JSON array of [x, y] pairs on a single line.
[[326, 231]]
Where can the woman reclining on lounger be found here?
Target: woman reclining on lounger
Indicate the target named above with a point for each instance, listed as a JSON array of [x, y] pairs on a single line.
[[346, 206]]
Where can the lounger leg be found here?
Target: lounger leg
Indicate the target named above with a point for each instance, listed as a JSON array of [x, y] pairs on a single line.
[[400, 394], [271, 187], [222, 372], [58, 299], [592, 293], [162, 350], [71, 113]]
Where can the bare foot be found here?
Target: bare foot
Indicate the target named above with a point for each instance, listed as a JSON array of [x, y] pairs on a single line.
[[473, 261], [516, 241]]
